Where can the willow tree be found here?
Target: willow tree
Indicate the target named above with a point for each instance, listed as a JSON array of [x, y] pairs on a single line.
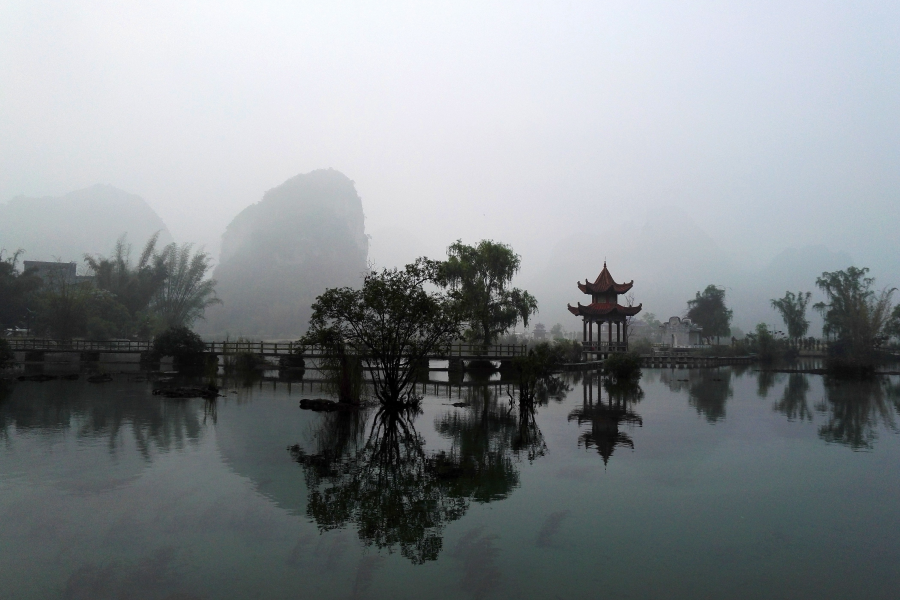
[[185, 293], [481, 275]]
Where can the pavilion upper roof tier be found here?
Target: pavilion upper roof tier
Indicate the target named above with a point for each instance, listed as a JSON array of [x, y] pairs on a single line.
[[604, 284], [599, 309]]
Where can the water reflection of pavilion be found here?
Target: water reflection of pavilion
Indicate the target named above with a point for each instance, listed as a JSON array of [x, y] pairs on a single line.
[[606, 417]]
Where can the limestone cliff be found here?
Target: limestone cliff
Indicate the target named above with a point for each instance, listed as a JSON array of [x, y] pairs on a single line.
[[304, 236]]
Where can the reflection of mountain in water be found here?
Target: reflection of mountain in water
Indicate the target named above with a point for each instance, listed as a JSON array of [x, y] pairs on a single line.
[[708, 389], [605, 418], [380, 476]]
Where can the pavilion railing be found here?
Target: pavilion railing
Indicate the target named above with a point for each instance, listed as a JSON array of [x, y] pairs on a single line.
[[604, 346]]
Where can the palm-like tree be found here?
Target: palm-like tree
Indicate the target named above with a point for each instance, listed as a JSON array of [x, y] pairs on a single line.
[[185, 294], [134, 286]]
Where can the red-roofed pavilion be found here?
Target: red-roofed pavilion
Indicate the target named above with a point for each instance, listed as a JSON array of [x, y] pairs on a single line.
[[605, 309]]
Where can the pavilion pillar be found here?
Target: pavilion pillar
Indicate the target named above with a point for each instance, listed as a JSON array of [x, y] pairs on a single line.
[[584, 333], [609, 332]]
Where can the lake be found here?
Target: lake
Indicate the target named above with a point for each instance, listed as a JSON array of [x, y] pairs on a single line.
[[707, 483]]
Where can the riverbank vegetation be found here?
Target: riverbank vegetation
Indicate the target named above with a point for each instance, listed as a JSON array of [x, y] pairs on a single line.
[[859, 318], [393, 323], [480, 277], [118, 298]]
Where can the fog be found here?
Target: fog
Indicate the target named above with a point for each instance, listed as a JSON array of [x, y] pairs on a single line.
[[745, 144]]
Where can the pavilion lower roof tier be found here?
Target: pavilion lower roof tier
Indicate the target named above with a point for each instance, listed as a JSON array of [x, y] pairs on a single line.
[[598, 309]]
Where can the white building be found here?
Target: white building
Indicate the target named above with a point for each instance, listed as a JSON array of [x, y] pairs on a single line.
[[681, 333]]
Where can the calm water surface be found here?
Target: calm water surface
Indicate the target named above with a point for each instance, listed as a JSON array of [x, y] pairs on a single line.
[[708, 483]]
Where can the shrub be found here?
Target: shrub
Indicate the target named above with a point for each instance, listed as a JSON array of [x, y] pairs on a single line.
[[185, 346], [245, 361], [641, 346], [569, 351], [535, 370], [6, 354], [623, 366]]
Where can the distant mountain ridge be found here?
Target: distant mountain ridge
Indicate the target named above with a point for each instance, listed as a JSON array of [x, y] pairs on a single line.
[[84, 221]]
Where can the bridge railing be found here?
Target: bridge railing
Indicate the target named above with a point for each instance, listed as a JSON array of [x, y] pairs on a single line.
[[282, 348], [25, 344], [477, 350], [460, 350]]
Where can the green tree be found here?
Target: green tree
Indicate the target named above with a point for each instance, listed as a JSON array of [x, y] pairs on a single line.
[[893, 327], [856, 315], [708, 310], [793, 312], [481, 274], [6, 354], [133, 285], [557, 333], [61, 307], [185, 292], [182, 344], [764, 342], [392, 323], [15, 291]]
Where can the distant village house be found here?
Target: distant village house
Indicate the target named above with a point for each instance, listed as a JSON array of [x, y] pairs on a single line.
[[681, 333]]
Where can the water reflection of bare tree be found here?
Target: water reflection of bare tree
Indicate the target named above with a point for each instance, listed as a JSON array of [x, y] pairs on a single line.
[[854, 411], [606, 418], [793, 402]]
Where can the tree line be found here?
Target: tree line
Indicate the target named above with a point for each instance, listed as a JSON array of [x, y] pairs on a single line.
[[120, 298], [859, 319], [401, 316]]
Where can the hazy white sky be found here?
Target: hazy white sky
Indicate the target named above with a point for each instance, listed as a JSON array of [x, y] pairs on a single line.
[[772, 124]]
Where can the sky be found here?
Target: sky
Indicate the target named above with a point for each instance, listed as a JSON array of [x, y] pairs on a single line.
[[768, 125]]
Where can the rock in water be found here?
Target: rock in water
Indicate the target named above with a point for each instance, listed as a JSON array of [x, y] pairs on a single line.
[[304, 236]]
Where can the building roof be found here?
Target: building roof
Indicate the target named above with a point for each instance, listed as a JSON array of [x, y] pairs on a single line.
[[604, 284], [679, 323], [602, 309]]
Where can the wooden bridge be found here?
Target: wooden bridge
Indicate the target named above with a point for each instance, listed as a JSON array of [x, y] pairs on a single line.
[[458, 351]]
